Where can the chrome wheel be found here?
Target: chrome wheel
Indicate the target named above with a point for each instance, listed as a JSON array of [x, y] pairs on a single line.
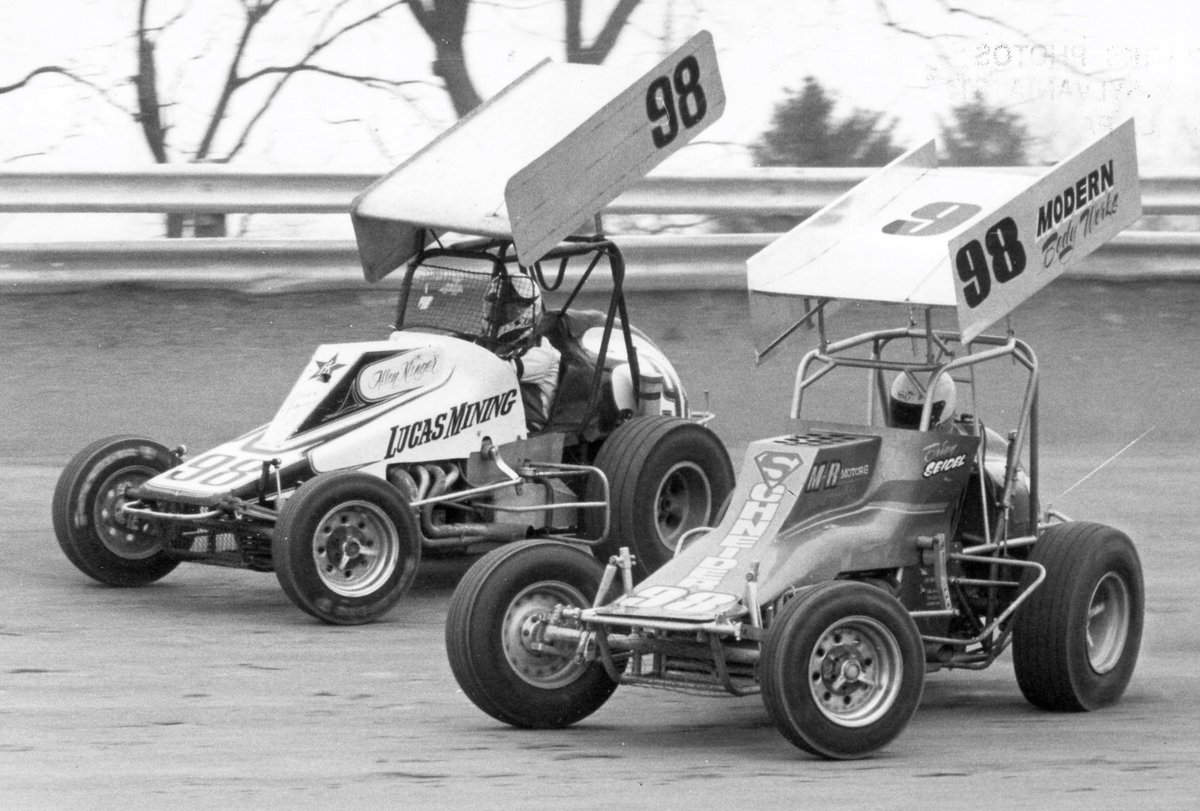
[[684, 502], [356, 548], [854, 671], [124, 535], [534, 661], [1108, 623]]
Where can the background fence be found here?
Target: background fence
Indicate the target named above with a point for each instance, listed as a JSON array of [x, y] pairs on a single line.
[[667, 260]]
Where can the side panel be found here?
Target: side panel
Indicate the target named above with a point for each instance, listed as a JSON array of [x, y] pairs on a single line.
[[417, 397], [480, 398], [808, 507]]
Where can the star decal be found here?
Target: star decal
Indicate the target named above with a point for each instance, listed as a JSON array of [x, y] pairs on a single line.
[[326, 368]]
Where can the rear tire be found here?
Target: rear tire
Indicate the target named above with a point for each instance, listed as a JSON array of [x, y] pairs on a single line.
[[842, 669], [346, 547], [1076, 639], [104, 544], [666, 475], [489, 642]]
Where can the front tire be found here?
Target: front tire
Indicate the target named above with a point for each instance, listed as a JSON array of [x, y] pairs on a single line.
[[346, 547], [1076, 639], [491, 635], [842, 669], [666, 475], [87, 511]]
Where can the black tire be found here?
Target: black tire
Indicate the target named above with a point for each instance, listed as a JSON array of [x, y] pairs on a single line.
[[494, 603], [1076, 639], [346, 547], [814, 657], [666, 475], [102, 544]]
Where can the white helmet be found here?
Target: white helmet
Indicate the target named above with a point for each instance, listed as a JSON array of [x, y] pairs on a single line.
[[908, 398]]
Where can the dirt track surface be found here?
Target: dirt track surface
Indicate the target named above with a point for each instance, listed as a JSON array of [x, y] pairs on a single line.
[[209, 689]]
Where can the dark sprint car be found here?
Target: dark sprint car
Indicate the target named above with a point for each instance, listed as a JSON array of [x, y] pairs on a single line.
[[853, 559], [430, 441]]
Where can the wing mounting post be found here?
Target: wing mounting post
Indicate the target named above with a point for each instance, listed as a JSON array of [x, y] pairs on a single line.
[[934, 341], [805, 320]]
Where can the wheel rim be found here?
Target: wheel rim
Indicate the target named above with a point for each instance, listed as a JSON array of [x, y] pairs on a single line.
[[541, 664], [854, 671], [684, 502], [1108, 622], [356, 548], [126, 536]]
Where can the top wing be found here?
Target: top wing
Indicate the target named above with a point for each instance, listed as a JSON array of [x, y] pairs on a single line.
[[541, 157], [979, 240]]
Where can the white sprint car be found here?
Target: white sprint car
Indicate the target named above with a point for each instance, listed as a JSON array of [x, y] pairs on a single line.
[[428, 440]]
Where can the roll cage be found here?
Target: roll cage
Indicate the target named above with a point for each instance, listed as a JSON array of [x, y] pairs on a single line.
[[944, 354], [556, 272]]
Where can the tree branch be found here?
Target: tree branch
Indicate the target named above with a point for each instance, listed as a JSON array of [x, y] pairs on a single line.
[[371, 81], [376, 81], [444, 23], [573, 29], [45, 69], [604, 42], [375, 15], [254, 15], [68, 74], [286, 72], [885, 15]]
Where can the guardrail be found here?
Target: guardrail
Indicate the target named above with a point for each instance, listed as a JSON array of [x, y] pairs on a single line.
[[712, 261], [705, 261], [220, 189]]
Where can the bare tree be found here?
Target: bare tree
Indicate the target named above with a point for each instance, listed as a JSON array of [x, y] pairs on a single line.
[[606, 38], [247, 89], [222, 135], [236, 78], [445, 23]]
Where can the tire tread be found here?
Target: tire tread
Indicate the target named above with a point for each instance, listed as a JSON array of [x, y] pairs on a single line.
[[1043, 627], [628, 451], [478, 599]]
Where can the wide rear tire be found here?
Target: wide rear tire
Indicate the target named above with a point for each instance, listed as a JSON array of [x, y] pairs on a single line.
[[1076, 639], [491, 644], [94, 533], [346, 547], [842, 669], [666, 475]]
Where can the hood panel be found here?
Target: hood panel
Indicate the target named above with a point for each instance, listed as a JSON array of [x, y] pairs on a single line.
[[344, 379], [232, 468]]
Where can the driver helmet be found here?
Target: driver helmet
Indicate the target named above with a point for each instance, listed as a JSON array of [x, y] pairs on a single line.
[[513, 312], [907, 398]]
